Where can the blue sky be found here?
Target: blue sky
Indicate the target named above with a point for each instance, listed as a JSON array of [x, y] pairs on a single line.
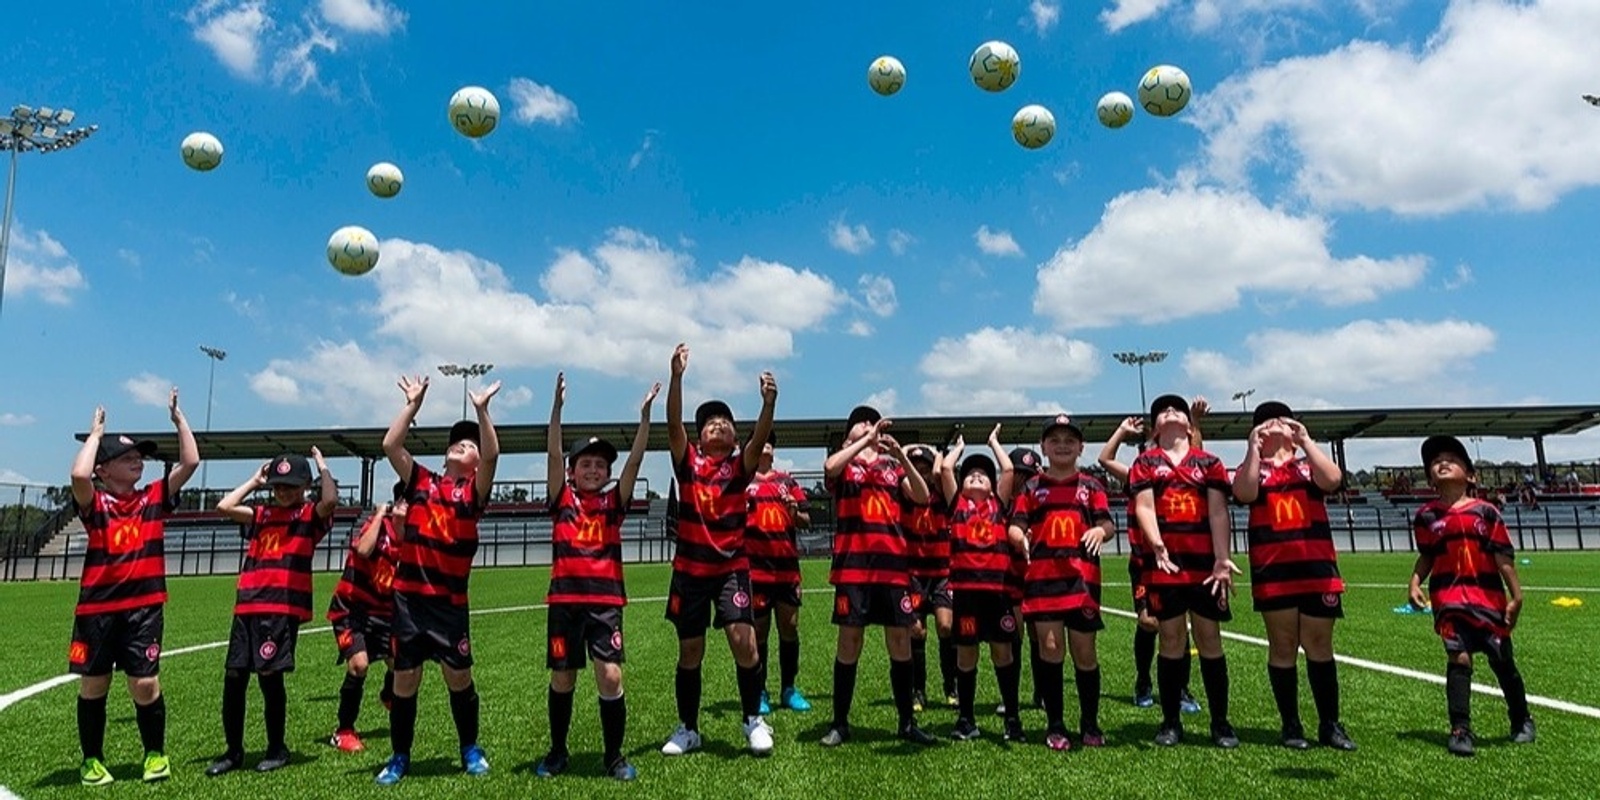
[[1366, 204]]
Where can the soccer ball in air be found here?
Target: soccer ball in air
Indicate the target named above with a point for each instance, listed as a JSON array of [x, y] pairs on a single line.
[[886, 75], [384, 179], [353, 250], [1114, 110], [474, 111], [1164, 90], [994, 66], [1033, 126], [201, 151]]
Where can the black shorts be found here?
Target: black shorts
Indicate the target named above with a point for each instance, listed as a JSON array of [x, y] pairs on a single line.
[[574, 628], [262, 643], [359, 633], [983, 617], [930, 594], [696, 604], [1327, 606], [429, 629], [860, 605], [1462, 635], [1169, 602], [129, 640], [764, 596], [1082, 620]]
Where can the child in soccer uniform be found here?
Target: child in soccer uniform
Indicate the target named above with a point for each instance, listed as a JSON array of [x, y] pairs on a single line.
[[361, 612], [927, 532], [980, 561], [777, 509], [440, 539], [1294, 571], [118, 621], [1180, 499], [274, 597], [1061, 517], [1465, 554], [1025, 464], [586, 586], [710, 571], [871, 479]]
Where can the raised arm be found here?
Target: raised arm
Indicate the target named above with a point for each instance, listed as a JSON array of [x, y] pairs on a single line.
[[947, 468], [188, 451], [1131, 426], [912, 483], [488, 442], [394, 439], [1247, 478], [835, 463], [367, 541], [769, 403], [83, 462], [232, 505], [555, 460], [1198, 409], [677, 436], [328, 492], [1324, 472], [1004, 488], [641, 442]]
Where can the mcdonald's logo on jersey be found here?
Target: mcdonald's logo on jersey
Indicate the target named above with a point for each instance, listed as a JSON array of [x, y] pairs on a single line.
[[383, 575], [1288, 513], [877, 508], [1180, 505], [921, 520], [1061, 530], [590, 530], [124, 538], [980, 532], [270, 543], [773, 518], [705, 500], [438, 525]]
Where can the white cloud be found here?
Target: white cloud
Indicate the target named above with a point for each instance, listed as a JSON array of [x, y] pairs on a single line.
[[900, 241], [1045, 14], [1463, 277], [877, 292], [996, 243], [1164, 254], [233, 32], [273, 386], [10, 420], [296, 65], [991, 369], [886, 401], [1470, 118], [363, 16], [853, 239], [40, 265], [645, 146], [861, 328], [12, 476], [534, 102], [130, 256], [148, 389], [1130, 12]]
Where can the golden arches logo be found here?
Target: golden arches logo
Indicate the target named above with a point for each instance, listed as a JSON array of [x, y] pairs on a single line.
[[773, 518], [705, 499], [589, 530], [269, 543], [981, 532], [383, 575], [125, 537], [438, 525], [1288, 512], [1181, 505], [1062, 530], [921, 520], [877, 508]]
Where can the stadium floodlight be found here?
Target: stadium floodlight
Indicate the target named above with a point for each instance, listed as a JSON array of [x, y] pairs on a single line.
[[1133, 359], [215, 354], [1243, 396], [466, 373], [39, 132]]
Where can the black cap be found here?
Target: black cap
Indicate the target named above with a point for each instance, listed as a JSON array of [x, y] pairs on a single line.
[[921, 452], [1270, 410], [981, 462], [399, 491], [1060, 421], [1435, 446], [112, 447], [465, 429], [289, 470], [863, 414], [1165, 402], [709, 409], [594, 446], [1024, 460], [772, 439]]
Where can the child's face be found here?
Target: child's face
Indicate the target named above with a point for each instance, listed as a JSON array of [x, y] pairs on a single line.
[[590, 472], [718, 431], [1446, 467], [1061, 447], [124, 469], [765, 463], [860, 430], [288, 495], [1172, 419], [976, 483], [463, 454]]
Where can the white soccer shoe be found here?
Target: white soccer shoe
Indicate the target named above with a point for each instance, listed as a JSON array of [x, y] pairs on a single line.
[[684, 741], [759, 734]]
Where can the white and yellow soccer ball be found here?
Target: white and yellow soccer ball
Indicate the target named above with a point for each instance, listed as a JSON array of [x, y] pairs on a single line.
[[1115, 109], [201, 151], [994, 66], [474, 111], [886, 75], [1164, 90], [384, 179], [1033, 126], [353, 250]]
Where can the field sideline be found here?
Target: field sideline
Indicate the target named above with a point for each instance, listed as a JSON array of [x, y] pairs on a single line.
[[1398, 721]]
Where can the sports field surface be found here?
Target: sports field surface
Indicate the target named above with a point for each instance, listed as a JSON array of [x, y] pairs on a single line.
[[1397, 716]]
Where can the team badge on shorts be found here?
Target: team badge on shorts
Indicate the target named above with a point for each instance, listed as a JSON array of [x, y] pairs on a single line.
[[967, 626], [1008, 623], [464, 646], [1222, 602], [152, 652], [268, 650], [1330, 600], [616, 640], [558, 648], [78, 653], [741, 600], [346, 638], [1089, 613], [907, 604]]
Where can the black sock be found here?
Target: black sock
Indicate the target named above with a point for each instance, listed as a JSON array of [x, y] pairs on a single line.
[[1458, 694], [613, 724], [749, 679], [152, 718], [402, 724], [1144, 652], [464, 708], [947, 665], [1285, 692], [919, 665], [559, 705], [966, 692], [1172, 674], [350, 700], [92, 727], [688, 694], [1010, 679], [1051, 680], [1214, 674], [1035, 663], [275, 707], [234, 689], [844, 691], [1088, 681], [761, 663], [386, 694], [1511, 684], [1324, 679], [788, 662], [900, 685]]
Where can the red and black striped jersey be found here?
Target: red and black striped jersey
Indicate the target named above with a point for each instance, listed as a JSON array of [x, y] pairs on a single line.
[[868, 545], [980, 554], [441, 536], [711, 514], [276, 575], [927, 531], [367, 584], [586, 543], [1463, 541], [1291, 544], [769, 531], [1056, 513], [125, 564], [1183, 510]]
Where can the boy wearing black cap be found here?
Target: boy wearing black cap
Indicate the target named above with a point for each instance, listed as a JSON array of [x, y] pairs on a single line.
[[118, 620], [927, 532], [586, 587], [274, 597], [1294, 571], [777, 510], [438, 544], [710, 571], [1465, 554], [361, 611], [1180, 501]]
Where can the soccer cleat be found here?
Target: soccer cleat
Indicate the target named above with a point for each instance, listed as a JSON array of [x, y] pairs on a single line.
[[473, 760], [682, 741], [1000, 710], [1222, 735], [1294, 737], [156, 767], [1057, 741], [965, 730], [394, 770], [1093, 737], [766, 704], [273, 760], [1524, 734], [93, 772], [226, 764], [1461, 742], [792, 699], [551, 765], [759, 734], [951, 700], [347, 740], [918, 701], [1187, 703], [915, 735], [1142, 698], [621, 770], [1013, 730], [1169, 735], [838, 733], [1332, 735]]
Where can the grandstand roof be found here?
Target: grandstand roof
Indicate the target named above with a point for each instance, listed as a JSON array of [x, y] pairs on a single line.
[[1505, 422]]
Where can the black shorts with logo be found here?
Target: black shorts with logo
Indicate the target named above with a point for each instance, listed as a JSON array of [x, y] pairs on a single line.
[[765, 596], [262, 643], [983, 617], [574, 628], [129, 640], [860, 605], [430, 629], [1169, 602], [930, 594], [1462, 634], [1082, 620], [360, 633], [1329, 605], [696, 604]]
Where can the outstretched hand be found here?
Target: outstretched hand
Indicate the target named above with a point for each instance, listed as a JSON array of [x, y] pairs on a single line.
[[769, 388], [98, 426], [561, 389], [413, 388], [680, 359], [650, 398], [172, 407], [480, 399]]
